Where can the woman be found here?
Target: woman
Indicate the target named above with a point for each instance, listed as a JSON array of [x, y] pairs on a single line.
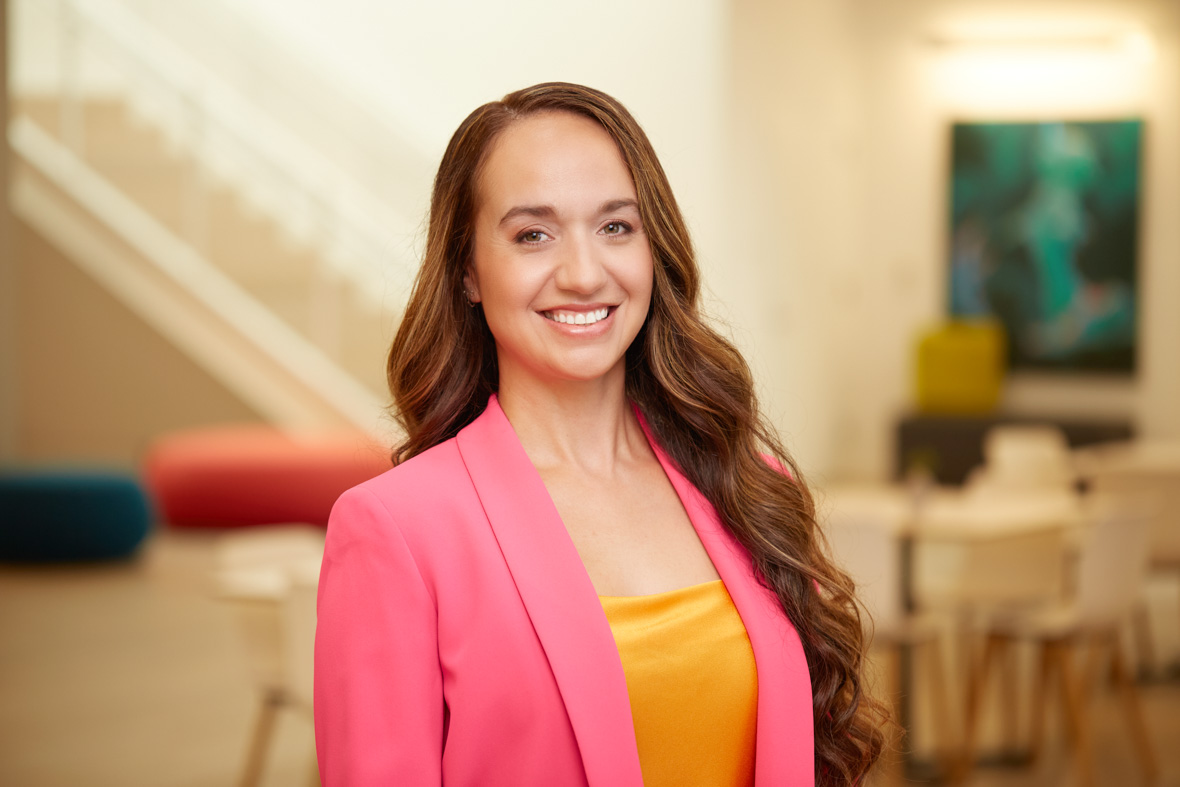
[[589, 565]]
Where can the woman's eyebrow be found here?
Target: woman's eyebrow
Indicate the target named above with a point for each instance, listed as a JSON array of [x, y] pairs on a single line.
[[548, 211], [536, 211], [618, 204]]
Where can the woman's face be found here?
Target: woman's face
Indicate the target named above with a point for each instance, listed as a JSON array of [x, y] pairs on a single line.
[[561, 261]]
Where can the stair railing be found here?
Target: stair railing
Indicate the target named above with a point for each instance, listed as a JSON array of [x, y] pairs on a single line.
[[301, 188]]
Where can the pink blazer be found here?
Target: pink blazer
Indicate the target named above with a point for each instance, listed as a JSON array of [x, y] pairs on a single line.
[[461, 642]]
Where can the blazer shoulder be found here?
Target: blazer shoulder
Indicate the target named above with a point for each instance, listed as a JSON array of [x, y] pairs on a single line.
[[421, 492], [438, 466]]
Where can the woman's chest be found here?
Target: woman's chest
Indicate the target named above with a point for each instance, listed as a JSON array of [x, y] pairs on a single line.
[[632, 534]]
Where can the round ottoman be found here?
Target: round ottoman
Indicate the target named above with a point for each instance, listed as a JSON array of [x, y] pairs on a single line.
[[230, 476], [70, 515]]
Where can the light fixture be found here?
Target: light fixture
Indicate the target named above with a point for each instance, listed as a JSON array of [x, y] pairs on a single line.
[[1045, 39], [1041, 66]]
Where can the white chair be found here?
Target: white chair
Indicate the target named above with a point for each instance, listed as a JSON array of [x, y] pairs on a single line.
[[866, 534], [1149, 472], [1019, 457], [1109, 577], [978, 553], [863, 534], [1001, 548], [264, 574]]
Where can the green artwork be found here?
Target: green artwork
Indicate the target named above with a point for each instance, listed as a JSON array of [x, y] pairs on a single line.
[[1044, 237]]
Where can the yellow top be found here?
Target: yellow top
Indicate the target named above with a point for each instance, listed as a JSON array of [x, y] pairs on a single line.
[[692, 683]]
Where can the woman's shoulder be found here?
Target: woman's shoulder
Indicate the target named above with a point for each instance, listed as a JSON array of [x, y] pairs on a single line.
[[423, 481], [435, 466], [426, 507]]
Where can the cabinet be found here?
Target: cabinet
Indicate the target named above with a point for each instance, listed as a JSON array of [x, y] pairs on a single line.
[[951, 446]]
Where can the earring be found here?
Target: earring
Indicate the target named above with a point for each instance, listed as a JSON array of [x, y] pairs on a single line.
[[470, 297]]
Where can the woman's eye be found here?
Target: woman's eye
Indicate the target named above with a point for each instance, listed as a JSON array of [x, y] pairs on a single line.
[[533, 236], [615, 228]]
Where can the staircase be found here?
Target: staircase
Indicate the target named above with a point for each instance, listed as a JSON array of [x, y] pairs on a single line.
[[267, 316]]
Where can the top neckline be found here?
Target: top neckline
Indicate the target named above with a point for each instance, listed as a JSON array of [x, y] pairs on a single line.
[[684, 591]]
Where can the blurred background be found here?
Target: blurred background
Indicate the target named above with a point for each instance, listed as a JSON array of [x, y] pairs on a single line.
[[942, 232]]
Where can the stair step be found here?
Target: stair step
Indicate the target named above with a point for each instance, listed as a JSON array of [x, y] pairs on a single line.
[[173, 188], [109, 130]]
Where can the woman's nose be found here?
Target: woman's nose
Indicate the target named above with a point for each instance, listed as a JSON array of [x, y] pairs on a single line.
[[580, 269]]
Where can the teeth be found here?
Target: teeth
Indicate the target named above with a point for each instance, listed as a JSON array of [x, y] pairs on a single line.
[[578, 318]]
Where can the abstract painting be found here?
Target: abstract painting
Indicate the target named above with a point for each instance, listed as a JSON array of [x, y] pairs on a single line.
[[1044, 238]]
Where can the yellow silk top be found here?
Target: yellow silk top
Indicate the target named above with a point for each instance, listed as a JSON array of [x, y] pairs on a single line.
[[692, 683]]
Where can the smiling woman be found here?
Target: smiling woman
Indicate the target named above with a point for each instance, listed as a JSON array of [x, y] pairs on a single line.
[[593, 562]]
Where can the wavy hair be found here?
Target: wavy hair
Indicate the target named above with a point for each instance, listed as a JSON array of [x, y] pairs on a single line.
[[693, 387]]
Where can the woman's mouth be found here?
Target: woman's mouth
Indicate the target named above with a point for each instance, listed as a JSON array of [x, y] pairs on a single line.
[[577, 318]]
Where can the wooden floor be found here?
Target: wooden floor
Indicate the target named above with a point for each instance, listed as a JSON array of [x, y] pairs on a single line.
[[133, 674]]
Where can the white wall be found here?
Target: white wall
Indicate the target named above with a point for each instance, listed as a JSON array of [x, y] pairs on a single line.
[[844, 179], [808, 144], [430, 64], [794, 147], [381, 86], [916, 91]]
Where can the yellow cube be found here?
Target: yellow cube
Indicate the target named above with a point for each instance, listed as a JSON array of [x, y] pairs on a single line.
[[960, 367]]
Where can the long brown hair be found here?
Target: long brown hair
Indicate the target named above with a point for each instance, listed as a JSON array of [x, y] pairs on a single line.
[[693, 387]]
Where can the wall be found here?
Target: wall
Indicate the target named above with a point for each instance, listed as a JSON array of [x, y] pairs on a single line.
[[95, 382], [915, 92], [845, 182], [417, 72], [807, 143], [401, 77], [794, 152], [8, 344]]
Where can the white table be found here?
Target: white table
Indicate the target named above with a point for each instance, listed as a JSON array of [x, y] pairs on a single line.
[[970, 546]]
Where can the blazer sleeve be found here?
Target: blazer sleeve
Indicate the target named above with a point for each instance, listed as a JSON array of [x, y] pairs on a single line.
[[378, 684]]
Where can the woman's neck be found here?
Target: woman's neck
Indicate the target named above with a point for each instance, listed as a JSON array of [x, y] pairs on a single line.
[[585, 425]]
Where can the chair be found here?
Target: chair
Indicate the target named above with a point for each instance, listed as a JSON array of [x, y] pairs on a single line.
[[865, 533], [1109, 577], [1023, 457], [1149, 472], [1027, 475], [269, 578]]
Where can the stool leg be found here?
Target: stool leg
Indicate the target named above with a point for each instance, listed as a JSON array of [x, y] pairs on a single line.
[[1091, 679], [1009, 698], [892, 766], [1074, 701], [1144, 642], [272, 701], [1040, 698], [938, 698], [975, 688], [1130, 697]]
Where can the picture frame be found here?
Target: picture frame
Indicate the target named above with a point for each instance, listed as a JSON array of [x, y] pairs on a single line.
[[1044, 238]]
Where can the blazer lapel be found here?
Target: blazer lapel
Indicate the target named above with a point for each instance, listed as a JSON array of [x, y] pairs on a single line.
[[558, 595], [785, 749]]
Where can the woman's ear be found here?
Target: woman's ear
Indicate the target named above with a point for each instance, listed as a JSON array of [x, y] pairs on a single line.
[[471, 286]]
